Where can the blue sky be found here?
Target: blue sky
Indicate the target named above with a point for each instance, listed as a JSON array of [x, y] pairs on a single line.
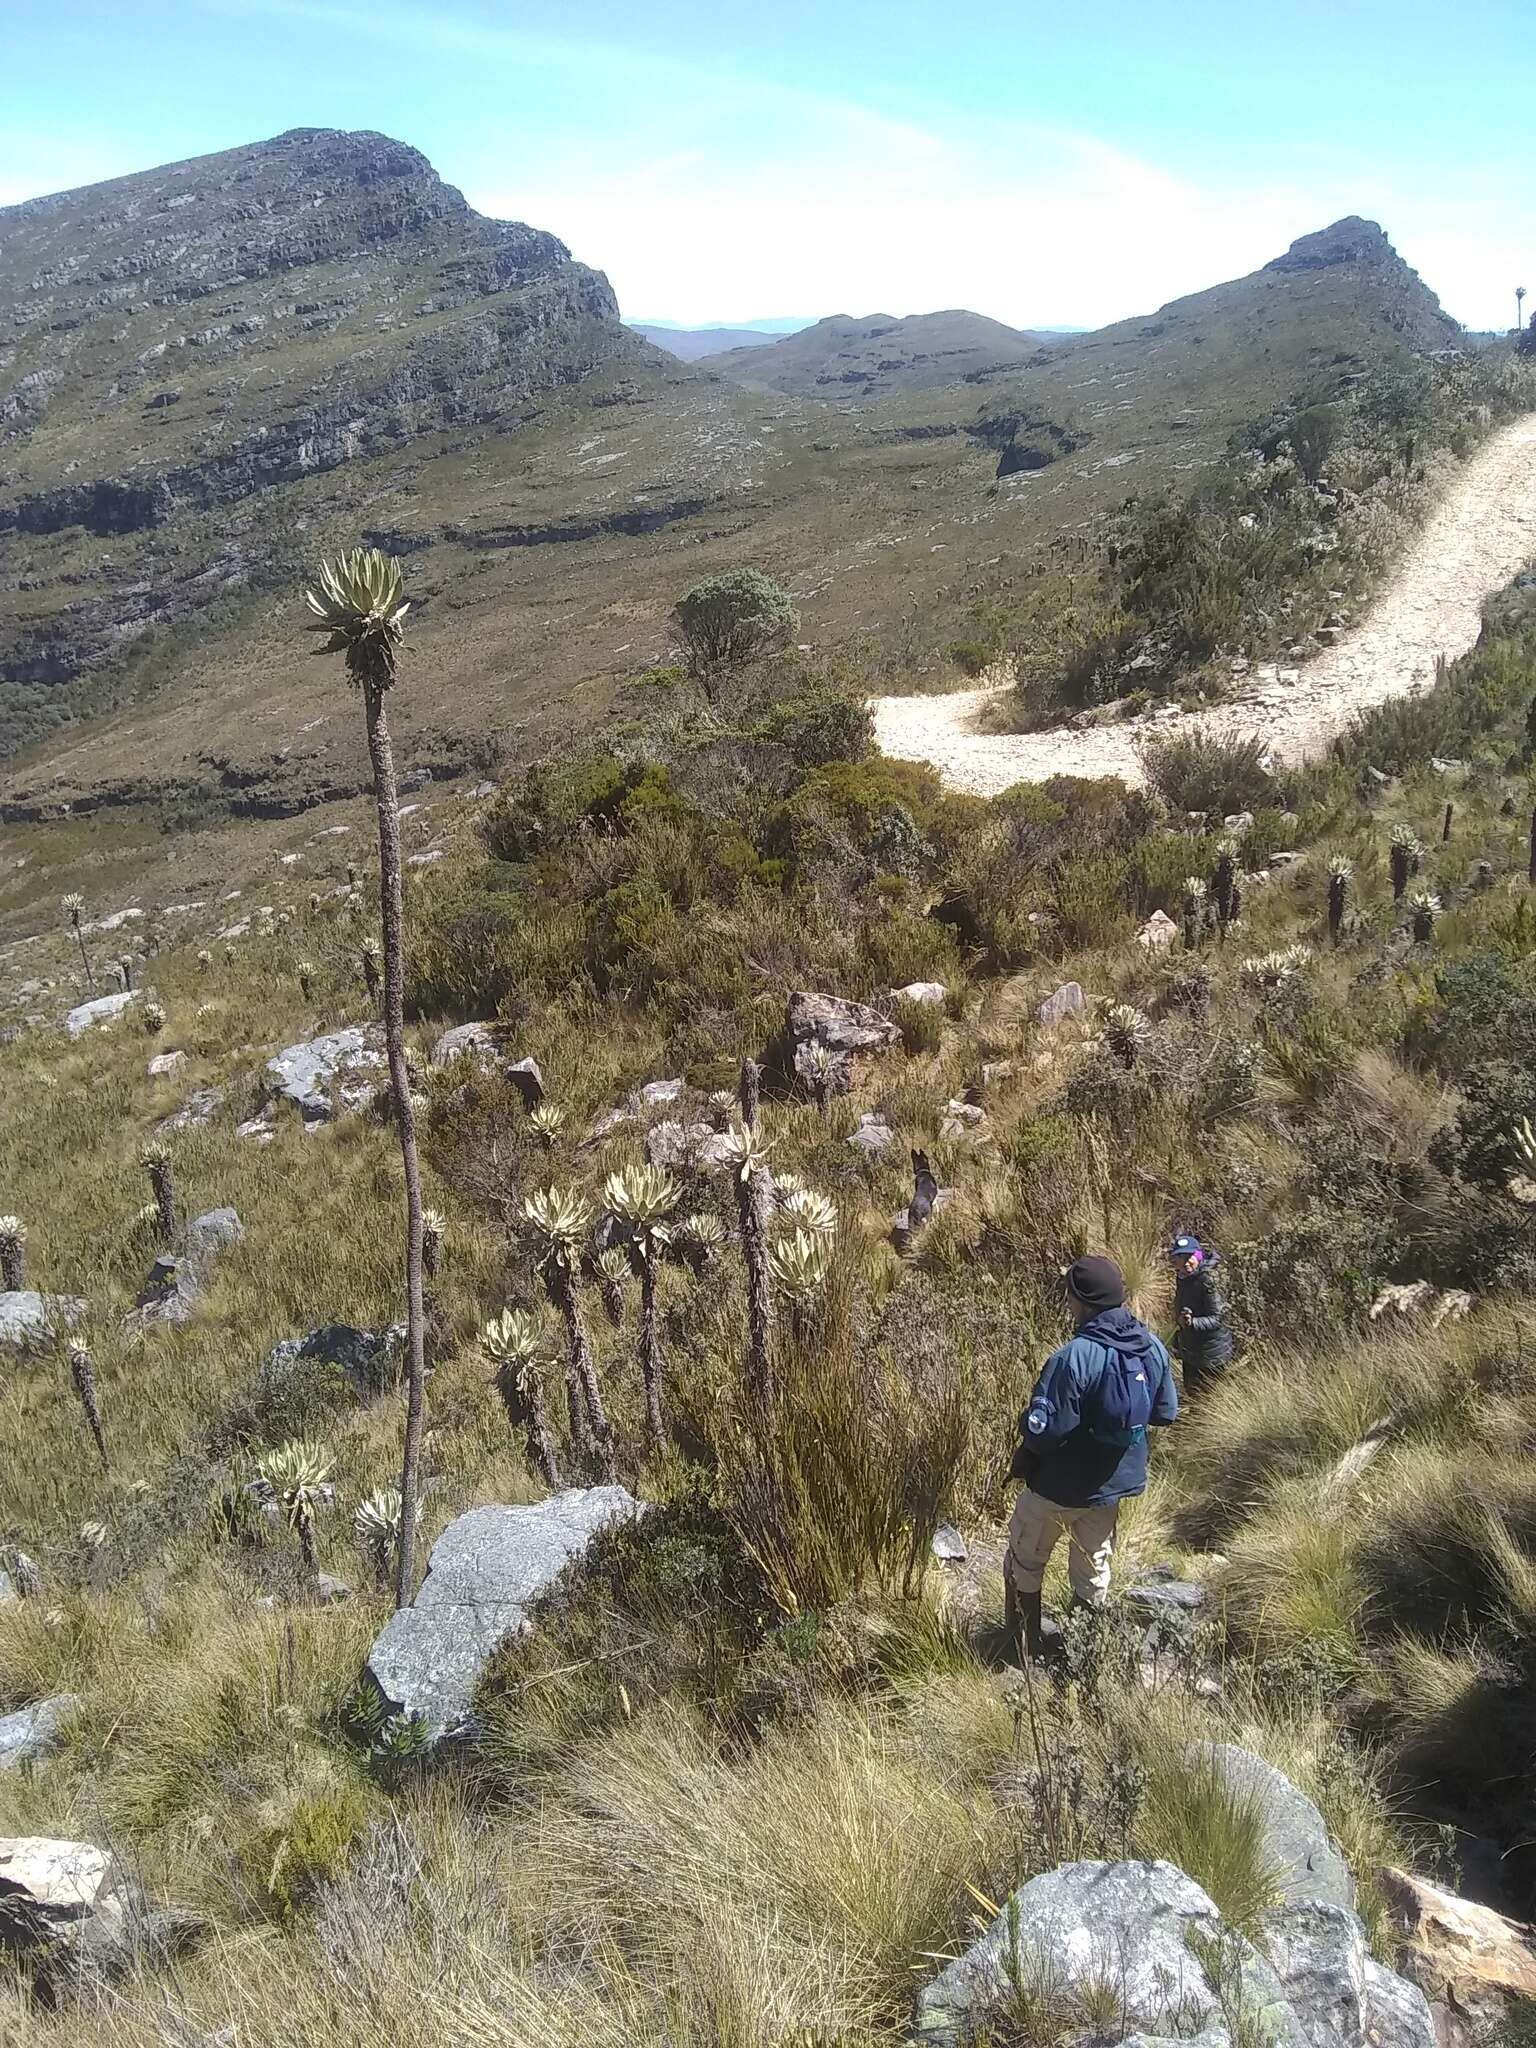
[[1050, 165]]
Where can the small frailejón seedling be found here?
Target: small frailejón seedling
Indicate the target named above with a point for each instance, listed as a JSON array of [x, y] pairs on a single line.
[[306, 976], [434, 1228], [799, 1268], [1126, 1031], [1195, 894], [298, 1473], [644, 1197], [73, 906], [153, 1017], [13, 1252], [699, 1237], [1424, 908], [1404, 853], [359, 604], [613, 1269], [559, 1220], [155, 1158], [82, 1371], [546, 1122], [1224, 886], [514, 1341], [376, 1524]]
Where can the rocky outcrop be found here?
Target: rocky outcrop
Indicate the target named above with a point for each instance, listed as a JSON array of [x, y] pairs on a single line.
[[488, 1570], [367, 1360], [342, 1067], [1469, 1960], [1148, 1938], [837, 1025]]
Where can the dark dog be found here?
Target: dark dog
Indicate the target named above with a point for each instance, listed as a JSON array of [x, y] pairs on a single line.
[[924, 1193]]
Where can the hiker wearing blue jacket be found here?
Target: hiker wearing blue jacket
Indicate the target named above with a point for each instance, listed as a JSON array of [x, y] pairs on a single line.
[[1083, 1445]]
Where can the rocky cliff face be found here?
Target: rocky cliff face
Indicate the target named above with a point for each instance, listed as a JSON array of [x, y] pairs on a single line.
[[191, 337]]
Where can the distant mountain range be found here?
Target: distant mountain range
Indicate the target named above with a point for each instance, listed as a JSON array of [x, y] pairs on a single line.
[[868, 358], [689, 343]]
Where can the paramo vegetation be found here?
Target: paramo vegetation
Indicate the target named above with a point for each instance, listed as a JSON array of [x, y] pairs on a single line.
[[756, 1769]]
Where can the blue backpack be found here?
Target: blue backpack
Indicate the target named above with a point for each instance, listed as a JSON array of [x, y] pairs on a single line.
[[1122, 1400]]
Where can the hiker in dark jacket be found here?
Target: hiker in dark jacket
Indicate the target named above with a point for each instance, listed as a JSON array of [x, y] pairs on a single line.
[[1202, 1338], [1083, 1445]]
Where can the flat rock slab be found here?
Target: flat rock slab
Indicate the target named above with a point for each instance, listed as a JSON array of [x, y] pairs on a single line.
[[343, 1065], [488, 1569], [30, 1318], [1458, 1950], [839, 1025], [31, 1730], [1167, 1596], [1296, 1837], [199, 1108], [103, 1010]]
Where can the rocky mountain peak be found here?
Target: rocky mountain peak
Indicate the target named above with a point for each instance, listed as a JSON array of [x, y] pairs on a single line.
[[1351, 240]]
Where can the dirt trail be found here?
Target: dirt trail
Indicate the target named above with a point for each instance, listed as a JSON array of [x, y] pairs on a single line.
[[1481, 536]]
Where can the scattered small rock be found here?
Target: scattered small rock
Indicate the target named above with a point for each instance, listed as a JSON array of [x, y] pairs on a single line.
[[259, 1129], [1158, 931], [58, 1893], [199, 1108], [1066, 1001], [331, 1592], [211, 1231], [477, 1041], [1166, 1596], [165, 1063], [367, 1359], [839, 1025], [655, 1095], [30, 1731], [527, 1079], [949, 1545], [930, 994], [873, 1137]]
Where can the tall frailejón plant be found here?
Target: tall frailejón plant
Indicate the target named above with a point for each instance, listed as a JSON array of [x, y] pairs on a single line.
[[82, 1371], [559, 1221], [73, 907], [360, 607], [644, 1197], [156, 1160], [746, 1155], [1340, 871]]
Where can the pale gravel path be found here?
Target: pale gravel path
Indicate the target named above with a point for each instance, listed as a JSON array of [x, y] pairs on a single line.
[[1483, 534]]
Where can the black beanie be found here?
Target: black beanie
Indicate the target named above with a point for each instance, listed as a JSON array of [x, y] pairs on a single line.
[[1097, 1283]]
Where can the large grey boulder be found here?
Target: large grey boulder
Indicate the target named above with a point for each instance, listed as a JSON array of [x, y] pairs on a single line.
[[210, 1232], [102, 1010], [1140, 1927], [30, 1730], [1296, 1838], [1332, 1986], [27, 1317], [340, 1065], [839, 1025], [488, 1569]]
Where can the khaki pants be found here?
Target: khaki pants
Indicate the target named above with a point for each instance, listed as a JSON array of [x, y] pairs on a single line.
[[1038, 1526]]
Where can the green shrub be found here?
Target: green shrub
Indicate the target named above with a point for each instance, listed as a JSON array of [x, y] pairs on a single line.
[[732, 617], [1198, 771], [970, 656]]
